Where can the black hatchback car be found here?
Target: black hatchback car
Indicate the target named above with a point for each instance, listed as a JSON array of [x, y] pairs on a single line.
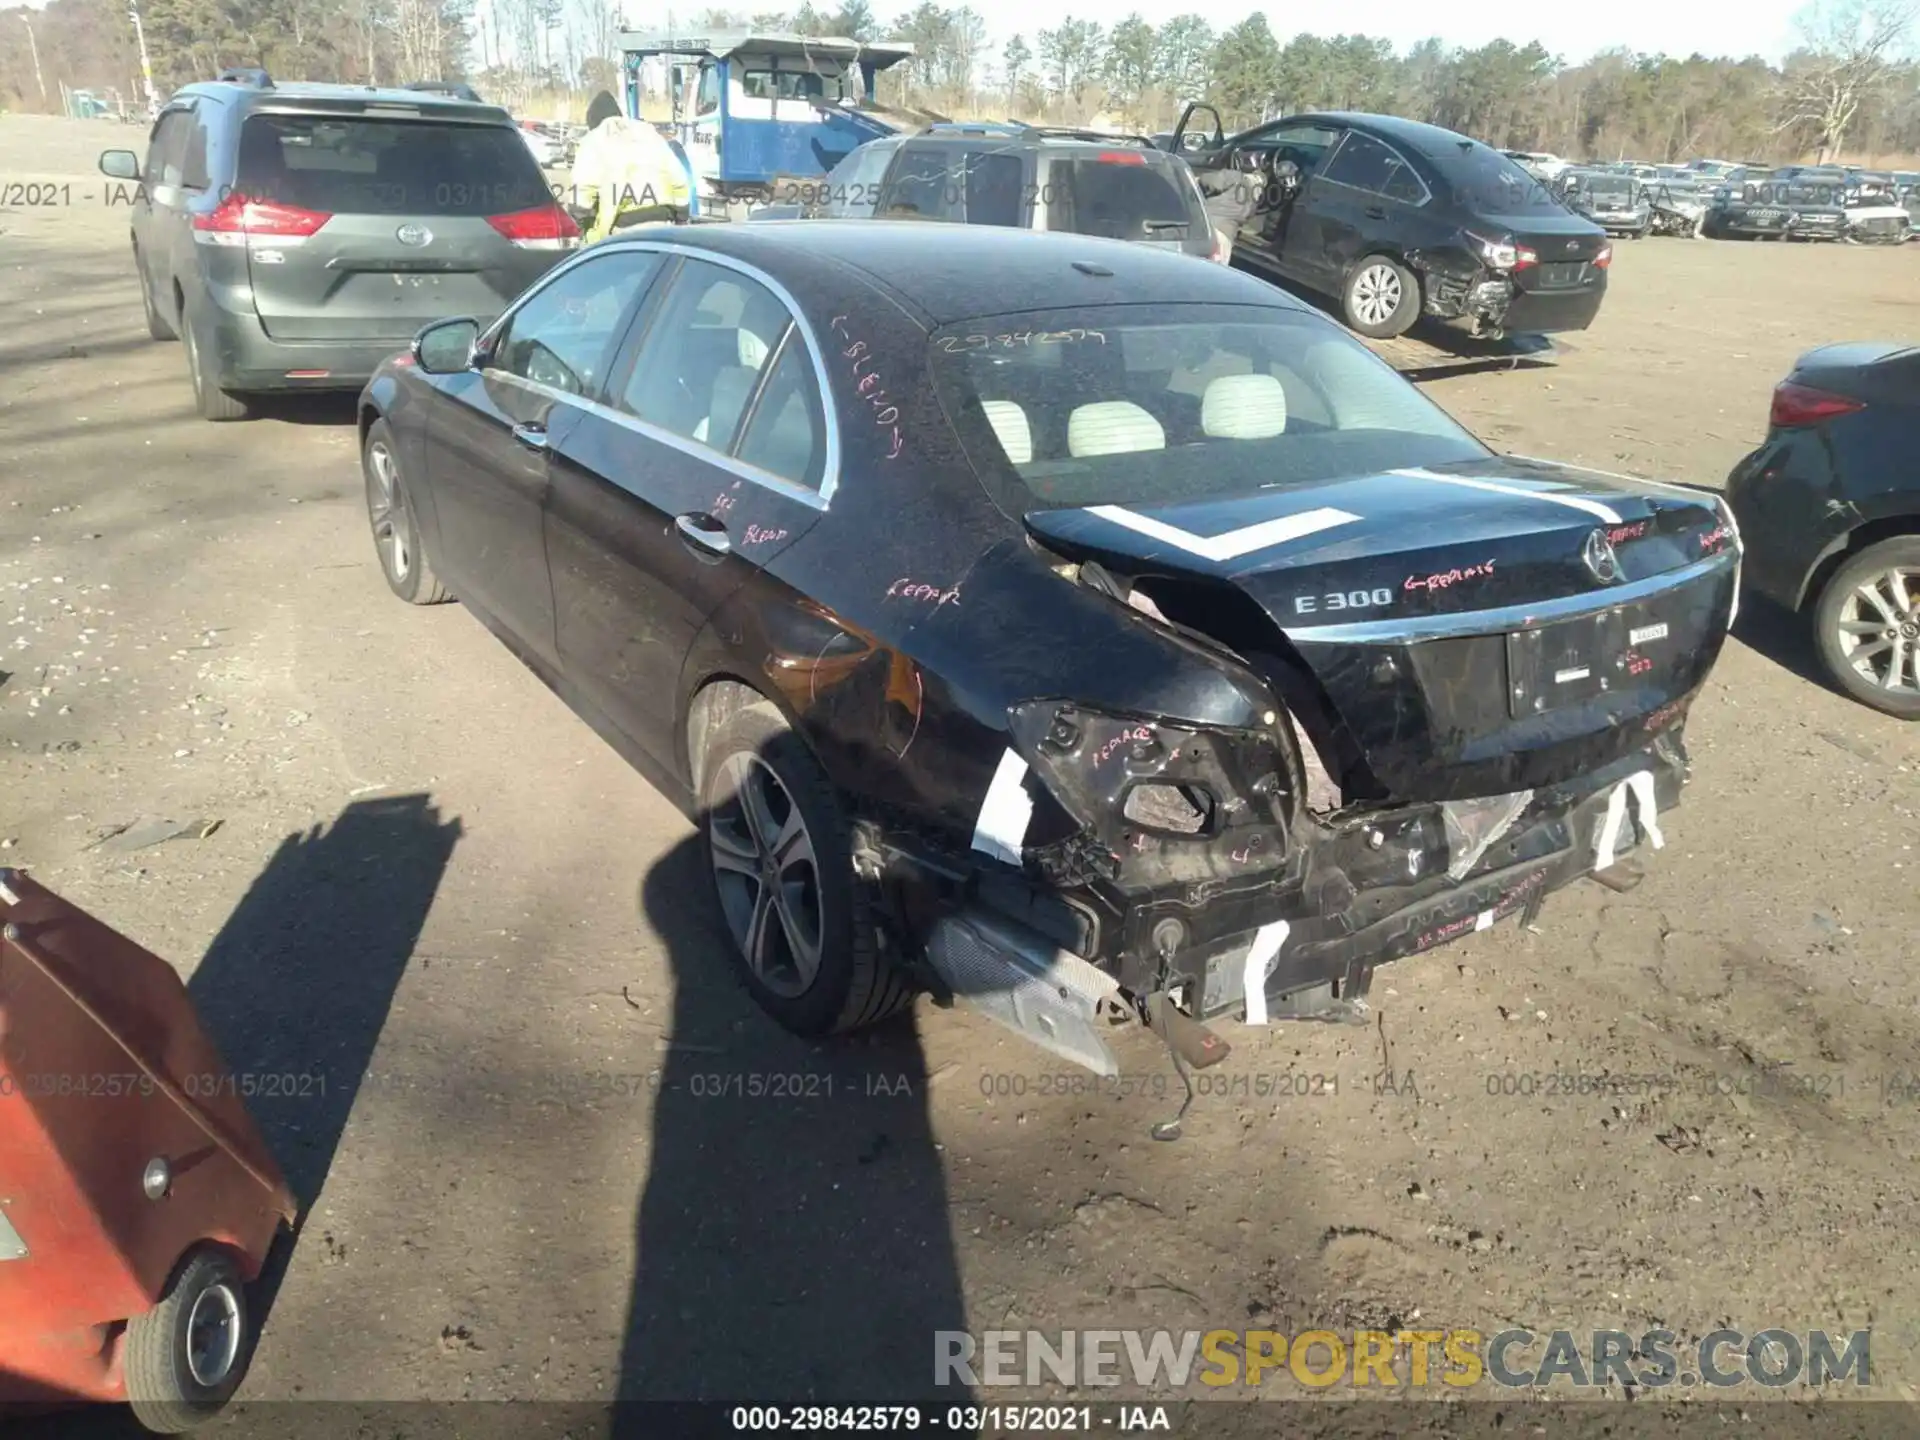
[[294, 236], [1829, 507], [1053, 622], [1397, 220]]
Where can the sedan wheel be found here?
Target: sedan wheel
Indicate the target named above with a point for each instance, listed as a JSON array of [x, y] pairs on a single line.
[[395, 522], [1382, 298], [806, 938], [767, 873], [1868, 626]]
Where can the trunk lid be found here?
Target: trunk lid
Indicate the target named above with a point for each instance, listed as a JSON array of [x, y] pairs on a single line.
[[1471, 630], [408, 235], [1567, 245]]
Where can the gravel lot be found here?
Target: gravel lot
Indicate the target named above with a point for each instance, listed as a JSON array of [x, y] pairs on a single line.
[[428, 870]]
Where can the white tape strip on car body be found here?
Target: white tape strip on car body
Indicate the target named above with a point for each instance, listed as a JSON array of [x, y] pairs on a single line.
[[1001, 830], [1261, 958], [1573, 502], [1639, 786], [1235, 543]]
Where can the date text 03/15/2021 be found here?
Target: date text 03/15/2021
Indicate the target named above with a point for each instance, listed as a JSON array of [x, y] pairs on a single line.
[[952, 1419]]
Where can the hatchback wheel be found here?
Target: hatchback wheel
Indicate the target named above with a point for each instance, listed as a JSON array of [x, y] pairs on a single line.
[[395, 523], [803, 936], [1867, 626], [1382, 298]]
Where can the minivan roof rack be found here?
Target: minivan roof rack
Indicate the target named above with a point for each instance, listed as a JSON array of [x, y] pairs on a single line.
[[253, 75], [1073, 132]]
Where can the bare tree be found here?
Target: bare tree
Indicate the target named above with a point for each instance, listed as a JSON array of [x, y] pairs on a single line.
[[1851, 47]]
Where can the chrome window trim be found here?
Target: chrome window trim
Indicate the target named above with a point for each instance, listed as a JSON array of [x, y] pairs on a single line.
[[686, 445], [1510, 617], [830, 467]]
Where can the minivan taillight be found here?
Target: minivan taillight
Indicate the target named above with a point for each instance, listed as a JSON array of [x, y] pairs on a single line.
[[1604, 258], [1796, 405], [235, 219], [545, 227]]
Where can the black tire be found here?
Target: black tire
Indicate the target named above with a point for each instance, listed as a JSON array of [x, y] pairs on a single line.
[[209, 399], [395, 522], [1373, 283], [854, 984], [172, 1352], [1832, 610], [159, 327]]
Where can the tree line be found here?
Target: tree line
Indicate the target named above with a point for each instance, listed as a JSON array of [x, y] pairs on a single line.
[[1852, 86]]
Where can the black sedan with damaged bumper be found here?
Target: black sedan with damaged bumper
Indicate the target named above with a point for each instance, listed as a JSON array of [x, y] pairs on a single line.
[[1399, 220], [1047, 622]]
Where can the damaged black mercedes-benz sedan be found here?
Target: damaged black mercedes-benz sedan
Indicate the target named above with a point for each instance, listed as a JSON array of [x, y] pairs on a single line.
[[1068, 627]]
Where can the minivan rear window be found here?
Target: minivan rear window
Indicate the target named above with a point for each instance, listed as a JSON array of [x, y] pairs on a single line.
[[353, 165], [1119, 201]]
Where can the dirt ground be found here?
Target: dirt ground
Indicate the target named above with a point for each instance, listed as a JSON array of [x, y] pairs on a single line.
[[437, 890]]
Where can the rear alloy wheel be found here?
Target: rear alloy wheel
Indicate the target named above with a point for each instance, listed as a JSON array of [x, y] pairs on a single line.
[[805, 942], [212, 402], [395, 523], [1867, 626], [1381, 298]]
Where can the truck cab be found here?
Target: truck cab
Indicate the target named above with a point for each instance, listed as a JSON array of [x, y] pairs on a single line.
[[751, 109]]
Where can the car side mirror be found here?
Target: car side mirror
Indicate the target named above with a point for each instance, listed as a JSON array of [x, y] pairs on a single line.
[[447, 347], [120, 164]]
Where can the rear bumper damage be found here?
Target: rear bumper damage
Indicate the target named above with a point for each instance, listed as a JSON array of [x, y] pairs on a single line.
[[1299, 937], [1489, 303]]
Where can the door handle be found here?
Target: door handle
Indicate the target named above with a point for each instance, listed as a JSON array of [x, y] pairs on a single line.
[[710, 538], [1375, 212], [534, 437]]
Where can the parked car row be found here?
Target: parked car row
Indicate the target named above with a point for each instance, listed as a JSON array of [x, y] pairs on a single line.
[[1055, 620]]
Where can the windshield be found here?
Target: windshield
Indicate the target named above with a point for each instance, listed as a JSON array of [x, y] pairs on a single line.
[[1614, 187], [1488, 183], [1802, 194], [1151, 404]]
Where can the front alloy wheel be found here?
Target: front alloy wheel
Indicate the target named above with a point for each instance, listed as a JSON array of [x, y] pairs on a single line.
[[395, 522], [1868, 626]]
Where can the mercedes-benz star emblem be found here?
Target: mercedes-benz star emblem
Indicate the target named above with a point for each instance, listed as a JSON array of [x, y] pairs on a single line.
[[413, 235], [1601, 559]]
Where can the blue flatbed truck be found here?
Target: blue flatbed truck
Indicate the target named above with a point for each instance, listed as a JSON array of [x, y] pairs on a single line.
[[753, 109]]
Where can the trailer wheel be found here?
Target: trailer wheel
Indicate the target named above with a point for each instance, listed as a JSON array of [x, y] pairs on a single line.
[[187, 1355]]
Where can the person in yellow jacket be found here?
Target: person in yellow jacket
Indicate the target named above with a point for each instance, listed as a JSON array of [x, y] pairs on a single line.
[[626, 172]]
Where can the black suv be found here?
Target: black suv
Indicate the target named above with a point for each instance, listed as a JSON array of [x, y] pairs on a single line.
[[296, 235], [1396, 220], [1022, 177]]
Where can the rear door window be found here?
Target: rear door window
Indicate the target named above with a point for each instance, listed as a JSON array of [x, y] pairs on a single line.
[[1122, 198], [167, 148], [353, 165], [921, 186], [704, 352], [995, 188], [1368, 164], [852, 190]]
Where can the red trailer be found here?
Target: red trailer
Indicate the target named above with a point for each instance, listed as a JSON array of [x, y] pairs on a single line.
[[137, 1197]]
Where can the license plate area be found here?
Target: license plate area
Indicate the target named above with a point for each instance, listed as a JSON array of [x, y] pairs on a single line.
[[1562, 274], [1564, 664]]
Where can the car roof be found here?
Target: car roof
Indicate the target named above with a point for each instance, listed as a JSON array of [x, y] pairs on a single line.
[[1429, 140], [950, 272], [955, 133], [331, 95]]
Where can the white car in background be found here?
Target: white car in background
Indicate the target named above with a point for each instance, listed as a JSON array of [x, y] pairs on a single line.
[[1539, 164], [545, 152]]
